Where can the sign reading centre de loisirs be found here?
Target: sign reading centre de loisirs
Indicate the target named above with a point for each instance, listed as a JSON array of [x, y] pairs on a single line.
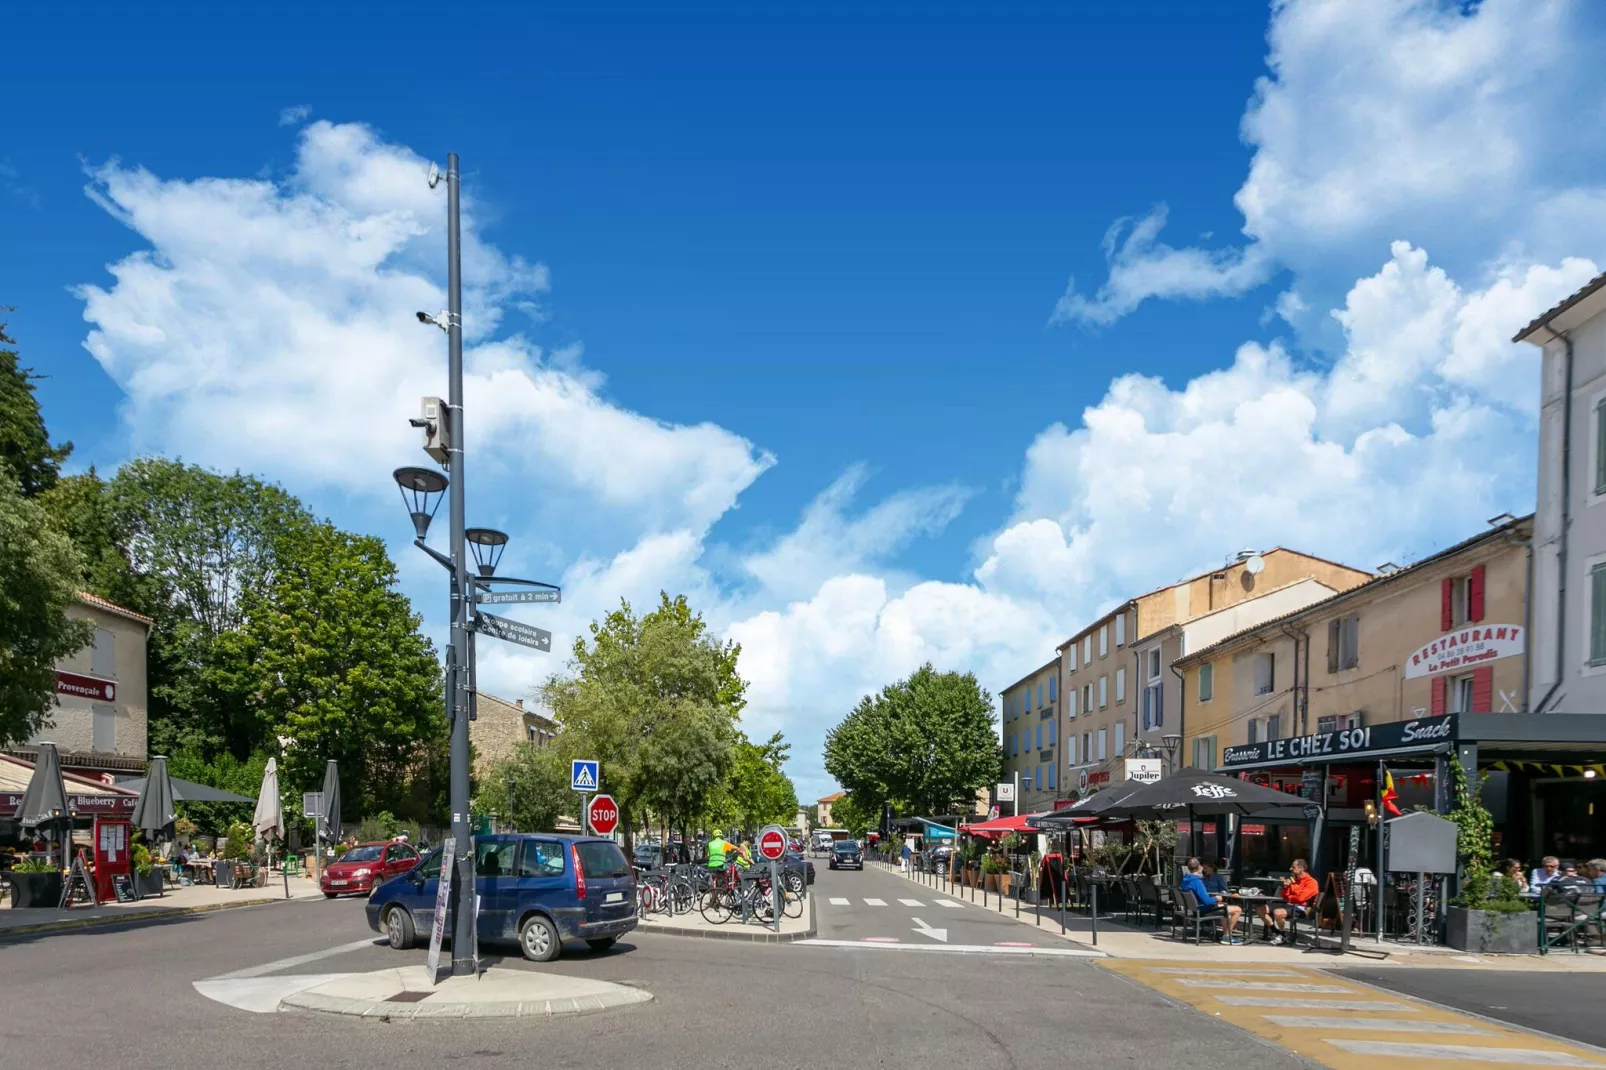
[[1465, 648]]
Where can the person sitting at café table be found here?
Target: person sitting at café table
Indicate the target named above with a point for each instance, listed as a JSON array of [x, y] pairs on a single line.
[[1549, 869], [1210, 905], [1298, 891], [1596, 871], [1513, 869], [1215, 881], [1572, 882]]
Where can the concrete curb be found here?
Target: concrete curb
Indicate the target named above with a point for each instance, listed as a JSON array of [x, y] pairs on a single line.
[[134, 917], [743, 935], [539, 1008]]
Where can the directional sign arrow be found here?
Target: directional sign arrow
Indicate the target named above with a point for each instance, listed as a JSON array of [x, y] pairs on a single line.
[[514, 631], [925, 930], [508, 598]]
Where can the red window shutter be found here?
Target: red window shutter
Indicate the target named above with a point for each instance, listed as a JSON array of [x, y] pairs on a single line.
[[1446, 597], [1475, 595], [1483, 690], [1441, 693]]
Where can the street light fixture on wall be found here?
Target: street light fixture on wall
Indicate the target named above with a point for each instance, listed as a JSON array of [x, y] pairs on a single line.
[[1172, 743]]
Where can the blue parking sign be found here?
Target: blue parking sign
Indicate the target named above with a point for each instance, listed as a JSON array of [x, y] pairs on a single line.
[[583, 774]]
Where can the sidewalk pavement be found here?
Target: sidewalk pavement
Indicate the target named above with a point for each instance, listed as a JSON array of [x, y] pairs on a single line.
[[407, 992], [1120, 940], [693, 924], [196, 899]]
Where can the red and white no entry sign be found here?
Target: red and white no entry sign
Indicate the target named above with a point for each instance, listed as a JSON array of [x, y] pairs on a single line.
[[772, 844], [603, 814]]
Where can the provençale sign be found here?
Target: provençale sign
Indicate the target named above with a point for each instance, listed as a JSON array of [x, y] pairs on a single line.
[[1466, 647], [1422, 731]]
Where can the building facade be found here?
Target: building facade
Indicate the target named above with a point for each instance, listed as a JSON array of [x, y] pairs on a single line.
[[822, 809], [1031, 730], [1568, 625], [100, 720], [499, 726]]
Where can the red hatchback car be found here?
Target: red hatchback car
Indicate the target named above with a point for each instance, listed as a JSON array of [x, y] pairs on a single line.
[[365, 867]]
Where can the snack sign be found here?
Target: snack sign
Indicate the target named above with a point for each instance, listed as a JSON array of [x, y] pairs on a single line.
[[1465, 648]]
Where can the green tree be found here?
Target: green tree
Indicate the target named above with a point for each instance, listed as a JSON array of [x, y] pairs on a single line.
[[26, 454], [655, 699], [848, 813], [39, 573], [328, 653], [924, 744], [758, 791], [540, 789], [81, 506]]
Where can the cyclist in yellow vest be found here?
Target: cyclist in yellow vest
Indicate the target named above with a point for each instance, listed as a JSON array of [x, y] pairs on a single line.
[[716, 852], [741, 856]]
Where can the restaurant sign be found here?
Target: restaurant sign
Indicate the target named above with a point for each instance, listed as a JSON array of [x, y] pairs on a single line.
[[1345, 742], [1465, 648], [70, 683], [106, 805]]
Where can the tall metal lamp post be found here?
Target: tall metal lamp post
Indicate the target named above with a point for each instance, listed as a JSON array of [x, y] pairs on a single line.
[[422, 490]]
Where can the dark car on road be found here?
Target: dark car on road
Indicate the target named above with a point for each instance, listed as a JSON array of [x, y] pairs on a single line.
[[846, 854], [537, 891]]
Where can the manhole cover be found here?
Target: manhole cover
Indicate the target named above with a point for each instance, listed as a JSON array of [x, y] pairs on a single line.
[[409, 997]]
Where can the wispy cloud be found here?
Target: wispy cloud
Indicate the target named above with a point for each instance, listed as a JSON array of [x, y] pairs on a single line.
[[294, 116]]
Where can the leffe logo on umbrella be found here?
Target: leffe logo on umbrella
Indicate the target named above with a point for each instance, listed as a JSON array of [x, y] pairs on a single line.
[[1214, 791]]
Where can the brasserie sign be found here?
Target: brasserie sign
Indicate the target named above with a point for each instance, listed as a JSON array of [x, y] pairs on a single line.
[[1345, 742]]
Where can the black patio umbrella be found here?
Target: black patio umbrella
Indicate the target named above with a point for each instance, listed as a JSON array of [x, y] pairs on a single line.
[[329, 818], [44, 801], [184, 790], [1095, 805], [1198, 792], [153, 810]]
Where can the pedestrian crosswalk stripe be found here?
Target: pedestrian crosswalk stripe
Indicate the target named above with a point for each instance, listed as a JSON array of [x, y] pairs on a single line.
[[875, 902], [1317, 1004], [949, 903], [1265, 986], [1465, 1053], [911, 902], [838, 901], [1373, 1023], [1225, 971]]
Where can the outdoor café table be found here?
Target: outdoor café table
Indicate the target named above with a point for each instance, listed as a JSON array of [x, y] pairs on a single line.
[[1252, 901], [201, 871]]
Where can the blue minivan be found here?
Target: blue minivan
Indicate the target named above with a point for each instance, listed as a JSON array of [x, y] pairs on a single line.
[[535, 889]]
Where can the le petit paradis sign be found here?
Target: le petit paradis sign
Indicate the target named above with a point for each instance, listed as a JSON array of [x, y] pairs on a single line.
[[1465, 648]]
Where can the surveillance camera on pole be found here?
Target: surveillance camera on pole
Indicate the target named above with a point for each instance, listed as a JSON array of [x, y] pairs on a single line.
[[441, 319]]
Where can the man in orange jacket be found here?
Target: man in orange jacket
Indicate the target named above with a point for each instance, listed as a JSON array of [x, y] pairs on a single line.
[[1298, 891]]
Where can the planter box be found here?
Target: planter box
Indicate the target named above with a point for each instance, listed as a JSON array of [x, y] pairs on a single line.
[[148, 883], [1488, 933], [35, 890], [998, 882]]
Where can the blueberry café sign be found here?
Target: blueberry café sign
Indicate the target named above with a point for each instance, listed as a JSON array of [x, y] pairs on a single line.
[[1422, 732]]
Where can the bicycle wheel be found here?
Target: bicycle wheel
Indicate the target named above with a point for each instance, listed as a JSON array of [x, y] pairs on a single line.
[[682, 896], [716, 907], [792, 904]]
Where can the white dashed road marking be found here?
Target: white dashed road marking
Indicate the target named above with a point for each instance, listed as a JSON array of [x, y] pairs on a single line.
[[875, 902], [911, 902], [1266, 986], [1370, 1022], [838, 901], [949, 903], [1317, 1004]]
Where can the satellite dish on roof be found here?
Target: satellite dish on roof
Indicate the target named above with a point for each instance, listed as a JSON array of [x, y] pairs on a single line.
[[1255, 565]]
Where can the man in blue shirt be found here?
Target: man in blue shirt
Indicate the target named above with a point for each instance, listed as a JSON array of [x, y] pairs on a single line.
[[1193, 884], [1215, 881]]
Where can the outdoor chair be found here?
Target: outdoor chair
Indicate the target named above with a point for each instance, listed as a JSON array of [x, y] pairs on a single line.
[[1148, 897], [1312, 918], [1562, 916], [1190, 918]]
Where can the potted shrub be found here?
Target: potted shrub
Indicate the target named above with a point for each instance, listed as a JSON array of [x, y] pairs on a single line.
[[1489, 916], [147, 878], [996, 873], [35, 884]]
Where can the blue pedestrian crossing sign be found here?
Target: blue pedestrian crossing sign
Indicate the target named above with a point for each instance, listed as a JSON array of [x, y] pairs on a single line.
[[583, 774]]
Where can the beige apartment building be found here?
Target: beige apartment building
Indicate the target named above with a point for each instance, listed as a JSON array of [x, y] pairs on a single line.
[[100, 721], [1446, 635], [1110, 669], [499, 726], [1031, 728]]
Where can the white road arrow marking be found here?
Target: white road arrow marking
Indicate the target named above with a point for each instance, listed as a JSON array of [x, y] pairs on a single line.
[[925, 930]]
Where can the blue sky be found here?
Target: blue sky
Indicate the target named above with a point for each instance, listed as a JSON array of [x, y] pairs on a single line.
[[773, 308]]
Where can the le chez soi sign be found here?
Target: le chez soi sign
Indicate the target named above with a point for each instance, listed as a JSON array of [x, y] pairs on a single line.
[[1346, 742], [1464, 649]]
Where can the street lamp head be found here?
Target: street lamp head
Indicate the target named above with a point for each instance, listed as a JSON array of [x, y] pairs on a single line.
[[486, 544], [1172, 743], [421, 491]]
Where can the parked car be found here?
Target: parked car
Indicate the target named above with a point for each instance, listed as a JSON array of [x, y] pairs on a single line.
[[538, 891], [796, 870], [846, 854], [365, 867]]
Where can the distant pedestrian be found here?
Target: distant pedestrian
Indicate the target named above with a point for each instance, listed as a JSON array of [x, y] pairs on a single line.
[[908, 853]]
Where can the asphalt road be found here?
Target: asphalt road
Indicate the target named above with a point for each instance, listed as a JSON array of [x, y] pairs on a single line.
[[1561, 1004], [127, 997]]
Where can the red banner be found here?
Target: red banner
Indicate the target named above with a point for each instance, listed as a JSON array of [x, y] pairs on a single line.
[[70, 683]]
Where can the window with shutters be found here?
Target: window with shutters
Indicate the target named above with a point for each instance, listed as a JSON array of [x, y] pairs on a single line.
[[1120, 738], [1039, 737], [1104, 692], [1102, 739], [1207, 682], [1458, 601], [1253, 731], [103, 728], [1052, 726], [1051, 778], [1204, 752], [1120, 630], [1265, 673], [1087, 746], [1070, 751], [1104, 641], [1600, 446], [1070, 658], [1338, 722], [1274, 727], [103, 658], [1087, 648], [1053, 688], [1087, 698], [1343, 643], [1027, 696], [1461, 599], [1597, 614], [1461, 694], [1120, 685], [1070, 704]]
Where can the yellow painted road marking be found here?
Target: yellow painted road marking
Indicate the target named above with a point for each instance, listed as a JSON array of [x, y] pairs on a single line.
[[1346, 1025]]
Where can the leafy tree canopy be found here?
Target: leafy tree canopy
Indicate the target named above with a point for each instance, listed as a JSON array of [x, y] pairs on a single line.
[[539, 781], [26, 454], [924, 744]]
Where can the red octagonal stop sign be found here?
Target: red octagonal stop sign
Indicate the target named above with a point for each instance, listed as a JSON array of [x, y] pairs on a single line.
[[772, 844], [603, 814]]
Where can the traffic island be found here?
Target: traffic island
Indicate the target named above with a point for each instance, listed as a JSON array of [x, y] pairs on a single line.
[[406, 992], [694, 925]]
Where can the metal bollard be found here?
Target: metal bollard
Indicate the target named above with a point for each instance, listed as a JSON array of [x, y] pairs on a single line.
[[1095, 915], [984, 889], [1062, 911], [1017, 901]]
